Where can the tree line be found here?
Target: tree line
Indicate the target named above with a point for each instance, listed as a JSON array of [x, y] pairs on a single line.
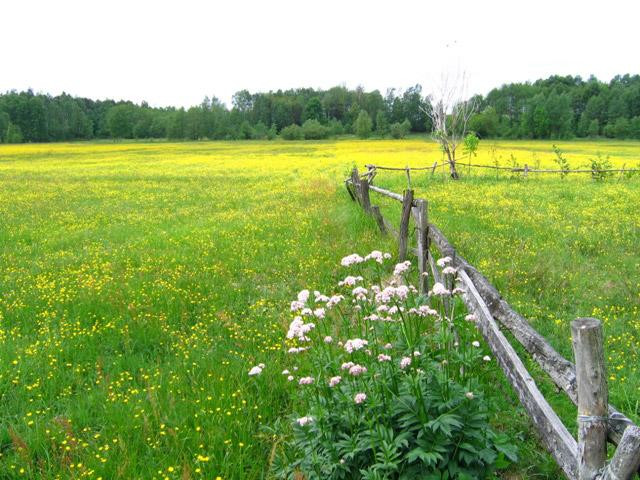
[[557, 107]]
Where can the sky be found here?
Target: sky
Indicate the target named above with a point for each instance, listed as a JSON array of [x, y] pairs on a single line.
[[178, 52]]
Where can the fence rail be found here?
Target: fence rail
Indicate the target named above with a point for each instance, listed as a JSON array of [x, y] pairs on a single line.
[[583, 459]]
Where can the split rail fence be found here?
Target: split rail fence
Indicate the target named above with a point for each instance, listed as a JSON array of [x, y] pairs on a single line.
[[585, 383]]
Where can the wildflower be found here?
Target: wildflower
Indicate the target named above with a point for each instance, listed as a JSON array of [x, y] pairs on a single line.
[[458, 291], [376, 255], [352, 259], [304, 421], [349, 281], [388, 346], [471, 318], [486, 358], [320, 297], [290, 378], [360, 398], [469, 395], [416, 354], [306, 381], [442, 262], [357, 370], [401, 268], [439, 290], [303, 296], [319, 313], [257, 370], [333, 381], [475, 343], [297, 350], [347, 365], [286, 372], [449, 271], [328, 339], [355, 344], [296, 305], [405, 362], [402, 292], [360, 293], [334, 300], [384, 357], [307, 312]]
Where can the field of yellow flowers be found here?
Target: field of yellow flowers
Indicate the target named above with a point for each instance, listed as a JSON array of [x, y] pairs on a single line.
[[139, 282]]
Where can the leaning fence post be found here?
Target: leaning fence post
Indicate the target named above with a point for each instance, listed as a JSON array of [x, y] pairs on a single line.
[[626, 459], [355, 183], [364, 195], [403, 240], [375, 210], [591, 381], [408, 170], [423, 245]]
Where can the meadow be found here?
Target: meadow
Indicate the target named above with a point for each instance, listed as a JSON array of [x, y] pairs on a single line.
[[139, 283]]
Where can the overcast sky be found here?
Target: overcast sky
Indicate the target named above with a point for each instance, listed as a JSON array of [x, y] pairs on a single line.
[[175, 53]]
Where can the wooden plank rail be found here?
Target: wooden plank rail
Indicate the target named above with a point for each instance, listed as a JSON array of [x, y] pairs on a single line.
[[551, 430], [586, 386]]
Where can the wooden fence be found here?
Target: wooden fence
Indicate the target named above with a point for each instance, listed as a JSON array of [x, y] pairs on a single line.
[[584, 383]]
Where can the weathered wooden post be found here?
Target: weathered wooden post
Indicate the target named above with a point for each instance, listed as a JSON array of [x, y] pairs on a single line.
[[355, 184], [626, 459], [408, 171], [526, 170], [403, 240], [364, 195], [422, 238], [591, 381], [375, 211], [433, 169]]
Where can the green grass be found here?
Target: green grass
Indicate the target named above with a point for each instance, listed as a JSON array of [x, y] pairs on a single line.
[[140, 282]]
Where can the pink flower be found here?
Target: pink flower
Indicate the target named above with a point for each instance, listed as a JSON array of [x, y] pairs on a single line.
[[355, 344], [440, 290], [306, 381], [347, 365], [405, 362], [442, 262], [257, 370], [333, 381], [319, 313], [352, 259], [357, 370], [303, 296], [401, 268], [383, 357], [304, 421], [360, 398], [328, 339], [334, 300]]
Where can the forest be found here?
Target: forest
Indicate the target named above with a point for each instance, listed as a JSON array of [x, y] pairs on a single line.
[[559, 107]]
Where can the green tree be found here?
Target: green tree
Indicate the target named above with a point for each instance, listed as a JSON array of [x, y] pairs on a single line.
[[594, 128], [120, 120], [4, 125], [14, 134], [382, 124], [363, 124], [313, 110], [292, 132], [314, 130]]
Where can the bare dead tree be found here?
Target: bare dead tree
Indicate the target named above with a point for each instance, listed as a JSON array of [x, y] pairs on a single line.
[[450, 113]]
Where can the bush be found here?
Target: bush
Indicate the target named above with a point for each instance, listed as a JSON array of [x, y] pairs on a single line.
[[400, 130], [363, 124], [336, 127], [14, 134], [314, 130], [382, 388], [292, 132]]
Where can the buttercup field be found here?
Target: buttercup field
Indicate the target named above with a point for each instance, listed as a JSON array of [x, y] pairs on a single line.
[[141, 282]]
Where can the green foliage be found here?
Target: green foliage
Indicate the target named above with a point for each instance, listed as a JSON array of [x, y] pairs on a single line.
[[120, 120], [561, 161], [335, 127], [314, 130], [400, 130], [363, 125], [14, 134], [470, 145], [382, 124], [292, 132], [402, 400], [598, 166]]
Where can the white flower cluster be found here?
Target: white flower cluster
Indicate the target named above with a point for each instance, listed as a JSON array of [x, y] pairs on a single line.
[[352, 259], [349, 281], [385, 296], [298, 329], [401, 268], [355, 344], [378, 256]]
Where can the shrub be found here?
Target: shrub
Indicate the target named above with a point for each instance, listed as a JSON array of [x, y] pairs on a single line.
[[598, 166], [292, 132], [336, 127], [388, 383], [314, 130], [363, 124], [400, 130]]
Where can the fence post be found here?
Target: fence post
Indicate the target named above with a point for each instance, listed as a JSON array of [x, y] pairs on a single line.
[[591, 381], [403, 240], [423, 245], [375, 210], [355, 184], [626, 459], [526, 170], [364, 195], [408, 171]]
